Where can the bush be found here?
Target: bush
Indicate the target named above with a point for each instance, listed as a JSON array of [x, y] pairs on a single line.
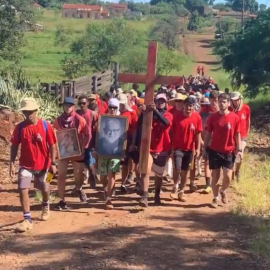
[[11, 96]]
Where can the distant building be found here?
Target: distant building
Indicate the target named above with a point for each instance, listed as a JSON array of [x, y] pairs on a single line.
[[37, 6], [81, 11], [117, 9], [134, 14]]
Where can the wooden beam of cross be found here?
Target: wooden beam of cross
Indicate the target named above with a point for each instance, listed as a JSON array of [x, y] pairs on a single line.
[[150, 79]]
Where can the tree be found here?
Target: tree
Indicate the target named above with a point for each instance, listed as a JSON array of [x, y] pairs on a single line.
[[167, 32], [247, 57], [263, 7], [100, 45], [134, 61], [228, 25], [194, 21], [249, 5], [62, 36], [13, 14]]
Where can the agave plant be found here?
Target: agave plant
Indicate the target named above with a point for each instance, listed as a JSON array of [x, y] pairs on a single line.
[[11, 96]]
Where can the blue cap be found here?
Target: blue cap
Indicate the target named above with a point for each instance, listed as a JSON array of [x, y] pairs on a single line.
[[69, 100], [207, 94]]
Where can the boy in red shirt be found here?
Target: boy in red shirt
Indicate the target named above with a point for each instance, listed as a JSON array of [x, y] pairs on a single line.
[[243, 111], [205, 112], [38, 154], [160, 145], [70, 119], [223, 129], [186, 135]]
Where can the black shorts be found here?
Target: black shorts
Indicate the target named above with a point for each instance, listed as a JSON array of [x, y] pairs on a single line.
[[219, 160], [133, 155], [182, 159]]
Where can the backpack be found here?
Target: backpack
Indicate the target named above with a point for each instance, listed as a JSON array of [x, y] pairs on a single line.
[[44, 123]]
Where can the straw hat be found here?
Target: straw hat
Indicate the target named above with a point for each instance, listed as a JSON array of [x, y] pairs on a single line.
[[204, 101], [178, 96], [123, 100], [236, 96], [29, 104]]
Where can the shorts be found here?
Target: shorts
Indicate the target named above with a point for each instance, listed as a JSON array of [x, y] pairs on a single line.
[[106, 165], [159, 163], [25, 178], [219, 160], [182, 160], [88, 158]]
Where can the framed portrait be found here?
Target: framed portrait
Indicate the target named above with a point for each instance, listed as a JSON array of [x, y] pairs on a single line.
[[68, 145], [111, 137]]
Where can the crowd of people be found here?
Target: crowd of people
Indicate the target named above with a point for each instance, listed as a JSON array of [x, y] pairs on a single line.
[[192, 127]]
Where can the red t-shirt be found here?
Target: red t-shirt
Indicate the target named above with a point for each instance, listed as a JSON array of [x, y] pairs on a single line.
[[34, 139], [184, 130], [173, 111], [160, 138], [132, 121], [205, 111], [223, 129], [102, 106], [244, 115]]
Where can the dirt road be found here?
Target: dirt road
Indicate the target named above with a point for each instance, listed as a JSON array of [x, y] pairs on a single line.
[[174, 236]]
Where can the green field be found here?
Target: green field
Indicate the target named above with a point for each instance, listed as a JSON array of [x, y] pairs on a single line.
[[42, 59]]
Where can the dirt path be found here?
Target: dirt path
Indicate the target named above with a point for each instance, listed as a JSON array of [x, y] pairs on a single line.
[[199, 48], [175, 236]]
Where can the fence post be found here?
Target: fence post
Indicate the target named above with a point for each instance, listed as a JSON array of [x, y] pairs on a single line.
[[116, 71], [94, 89], [56, 89], [62, 93]]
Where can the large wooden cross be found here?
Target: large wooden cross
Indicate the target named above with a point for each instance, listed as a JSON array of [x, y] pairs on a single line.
[[150, 79]]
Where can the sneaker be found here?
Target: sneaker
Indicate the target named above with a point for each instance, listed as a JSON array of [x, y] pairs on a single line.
[[157, 200], [82, 196], [215, 203], [124, 189], [192, 187], [108, 205], [168, 178], [198, 176], [61, 206], [25, 226], [174, 193], [223, 197], [45, 214], [143, 202], [207, 190], [181, 197]]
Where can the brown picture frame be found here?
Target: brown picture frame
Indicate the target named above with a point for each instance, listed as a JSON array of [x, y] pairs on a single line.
[[120, 137], [72, 148]]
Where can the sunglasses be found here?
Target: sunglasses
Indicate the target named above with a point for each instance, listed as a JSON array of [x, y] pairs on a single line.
[[82, 103], [113, 108]]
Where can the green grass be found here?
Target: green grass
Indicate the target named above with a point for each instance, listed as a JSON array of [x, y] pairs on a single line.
[[42, 59], [254, 201]]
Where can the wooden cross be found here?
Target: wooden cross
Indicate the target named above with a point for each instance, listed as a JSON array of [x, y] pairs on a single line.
[[150, 79]]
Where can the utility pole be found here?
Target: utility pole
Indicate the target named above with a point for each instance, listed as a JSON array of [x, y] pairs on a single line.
[[243, 9]]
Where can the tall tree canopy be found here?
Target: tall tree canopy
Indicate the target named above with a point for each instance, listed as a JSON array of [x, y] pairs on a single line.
[[13, 14], [249, 5], [247, 56]]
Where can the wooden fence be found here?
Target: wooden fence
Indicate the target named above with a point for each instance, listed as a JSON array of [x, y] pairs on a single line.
[[95, 83]]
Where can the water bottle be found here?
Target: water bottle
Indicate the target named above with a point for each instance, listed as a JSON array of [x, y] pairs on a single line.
[[49, 177]]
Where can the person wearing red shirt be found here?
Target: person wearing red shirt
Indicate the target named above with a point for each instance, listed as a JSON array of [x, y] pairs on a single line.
[[91, 119], [222, 142], [198, 70], [70, 119], [205, 112], [127, 165], [160, 145], [38, 155], [243, 111], [186, 138]]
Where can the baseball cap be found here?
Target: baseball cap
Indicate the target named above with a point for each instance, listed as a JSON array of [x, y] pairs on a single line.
[[236, 96], [161, 96], [190, 100], [69, 100]]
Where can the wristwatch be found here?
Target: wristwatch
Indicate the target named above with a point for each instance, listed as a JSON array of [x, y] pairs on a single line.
[[53, 163]]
